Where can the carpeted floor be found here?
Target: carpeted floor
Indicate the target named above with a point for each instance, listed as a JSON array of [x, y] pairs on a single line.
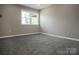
[[38, 44]]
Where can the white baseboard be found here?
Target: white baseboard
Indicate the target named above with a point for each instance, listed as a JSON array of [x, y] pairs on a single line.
[[61, 37], [19, 35], [41, 33]]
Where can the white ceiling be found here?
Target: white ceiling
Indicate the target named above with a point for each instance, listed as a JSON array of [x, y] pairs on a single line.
[[37, 6]]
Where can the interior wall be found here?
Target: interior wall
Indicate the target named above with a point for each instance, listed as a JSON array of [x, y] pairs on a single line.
[[11, 20], [60, 20], [0, 20]]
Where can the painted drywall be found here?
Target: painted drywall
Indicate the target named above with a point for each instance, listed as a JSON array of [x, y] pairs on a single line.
[[60, 20], [11, 20], [0, 20]]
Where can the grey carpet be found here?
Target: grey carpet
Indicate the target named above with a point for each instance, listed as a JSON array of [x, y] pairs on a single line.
[[38, 44]]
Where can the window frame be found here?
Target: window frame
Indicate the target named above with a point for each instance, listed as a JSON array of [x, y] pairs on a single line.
[[30, 18]]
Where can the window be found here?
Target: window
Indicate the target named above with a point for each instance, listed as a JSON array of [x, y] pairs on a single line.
[[29, 18]]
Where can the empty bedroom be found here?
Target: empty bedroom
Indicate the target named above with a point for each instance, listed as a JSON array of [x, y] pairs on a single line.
[[39, 29]]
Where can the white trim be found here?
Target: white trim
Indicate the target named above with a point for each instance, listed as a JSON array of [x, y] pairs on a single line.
[[41, 33], [61, 36], [19, 35]]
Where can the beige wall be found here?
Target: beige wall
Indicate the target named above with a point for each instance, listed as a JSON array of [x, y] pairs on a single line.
[[0, 20], [11, 21], [60, 20]]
